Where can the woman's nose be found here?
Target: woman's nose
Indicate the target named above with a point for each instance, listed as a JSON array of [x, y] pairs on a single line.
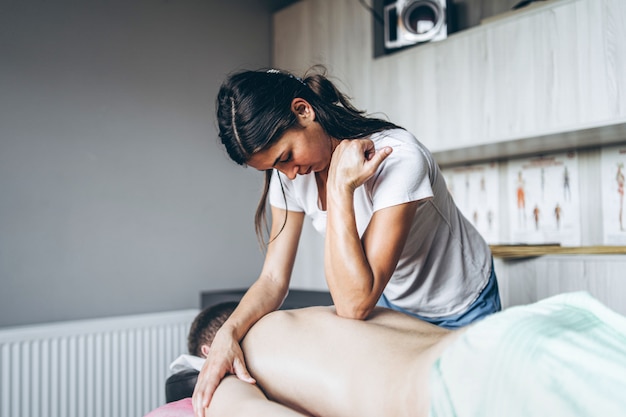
[[291, 172]]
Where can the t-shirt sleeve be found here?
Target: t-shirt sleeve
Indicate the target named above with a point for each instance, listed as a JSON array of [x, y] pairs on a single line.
[[403, 177], [284, 197]]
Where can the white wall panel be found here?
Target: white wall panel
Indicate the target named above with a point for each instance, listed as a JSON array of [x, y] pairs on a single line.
[[529, 280], [552, 68]]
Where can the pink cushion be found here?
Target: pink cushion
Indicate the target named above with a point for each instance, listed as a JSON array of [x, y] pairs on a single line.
[[180, 408]]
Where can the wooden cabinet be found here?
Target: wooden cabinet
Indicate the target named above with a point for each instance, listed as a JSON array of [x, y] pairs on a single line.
[[527, 82]]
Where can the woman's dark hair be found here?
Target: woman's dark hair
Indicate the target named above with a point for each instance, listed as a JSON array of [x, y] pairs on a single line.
[[254, 111], [206, 324]]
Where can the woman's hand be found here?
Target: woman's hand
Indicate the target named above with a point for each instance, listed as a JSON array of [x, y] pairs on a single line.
[[354, 162], [225, 357]]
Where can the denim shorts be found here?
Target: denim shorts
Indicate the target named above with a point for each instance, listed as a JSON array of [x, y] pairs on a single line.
[[488, 302]]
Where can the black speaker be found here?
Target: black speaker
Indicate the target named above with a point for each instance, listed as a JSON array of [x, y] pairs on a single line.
[[409, 22]]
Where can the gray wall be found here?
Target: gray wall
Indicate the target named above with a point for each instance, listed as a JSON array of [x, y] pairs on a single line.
[[115, 195]]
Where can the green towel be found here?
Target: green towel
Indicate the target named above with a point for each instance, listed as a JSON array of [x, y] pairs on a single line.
[[564, 356]]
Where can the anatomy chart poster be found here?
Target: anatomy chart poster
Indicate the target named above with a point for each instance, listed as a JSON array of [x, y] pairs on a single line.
[[544, 200], [475, 189], [613, 172]]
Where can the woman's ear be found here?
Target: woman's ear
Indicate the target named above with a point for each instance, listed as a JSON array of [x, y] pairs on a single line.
[[303, 111]]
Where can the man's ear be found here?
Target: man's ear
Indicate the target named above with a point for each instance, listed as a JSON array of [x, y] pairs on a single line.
[[205, 350], [303, 111]]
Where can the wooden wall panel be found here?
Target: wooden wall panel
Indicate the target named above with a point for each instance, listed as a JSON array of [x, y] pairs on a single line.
[[526, 281], [558, 67]]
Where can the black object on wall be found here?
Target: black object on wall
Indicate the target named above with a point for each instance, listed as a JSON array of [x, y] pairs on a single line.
[[295, 298], [460, 15], [408, 22]]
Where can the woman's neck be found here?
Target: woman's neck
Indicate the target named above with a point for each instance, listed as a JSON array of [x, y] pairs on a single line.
[[320, 179]]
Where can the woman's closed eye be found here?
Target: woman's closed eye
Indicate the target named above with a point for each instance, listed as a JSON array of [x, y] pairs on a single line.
[[286, 159], [282, 159]]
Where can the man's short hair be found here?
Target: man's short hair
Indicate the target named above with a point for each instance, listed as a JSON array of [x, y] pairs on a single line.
[[206, 324]]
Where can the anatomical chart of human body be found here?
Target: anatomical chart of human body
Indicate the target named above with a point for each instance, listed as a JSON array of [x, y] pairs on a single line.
[[543, 201], [476, 191], [613, 172]]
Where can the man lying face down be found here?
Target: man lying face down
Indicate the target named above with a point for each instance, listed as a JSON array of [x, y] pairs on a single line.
[[312, 362], [563, 356]]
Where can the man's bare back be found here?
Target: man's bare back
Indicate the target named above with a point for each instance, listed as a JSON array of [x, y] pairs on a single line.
[[527, 360], [317, 363]]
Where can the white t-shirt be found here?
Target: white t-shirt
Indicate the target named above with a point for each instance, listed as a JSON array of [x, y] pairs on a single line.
[[445, 262]]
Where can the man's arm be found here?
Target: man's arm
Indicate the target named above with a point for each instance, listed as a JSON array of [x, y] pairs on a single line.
[[235, 398]]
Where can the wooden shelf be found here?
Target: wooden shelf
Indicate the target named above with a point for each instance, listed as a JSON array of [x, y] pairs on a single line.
[[582, 138], [529, 251]]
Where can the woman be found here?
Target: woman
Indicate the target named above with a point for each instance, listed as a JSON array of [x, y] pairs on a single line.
[[393, 235]]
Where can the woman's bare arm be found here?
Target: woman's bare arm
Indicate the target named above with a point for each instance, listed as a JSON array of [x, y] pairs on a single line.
[[357, 270], [265, 295]]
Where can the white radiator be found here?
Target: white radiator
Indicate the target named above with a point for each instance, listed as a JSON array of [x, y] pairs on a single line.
[[113, 367]]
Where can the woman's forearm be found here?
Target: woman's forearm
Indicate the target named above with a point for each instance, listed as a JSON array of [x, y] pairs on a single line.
[[269, 291], [263, 297], [350, 278], [348, 273]]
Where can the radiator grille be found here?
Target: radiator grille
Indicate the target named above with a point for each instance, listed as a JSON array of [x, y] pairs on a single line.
[[101, 368]]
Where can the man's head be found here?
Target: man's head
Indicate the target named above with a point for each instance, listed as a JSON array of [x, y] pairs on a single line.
[[205, 325]]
